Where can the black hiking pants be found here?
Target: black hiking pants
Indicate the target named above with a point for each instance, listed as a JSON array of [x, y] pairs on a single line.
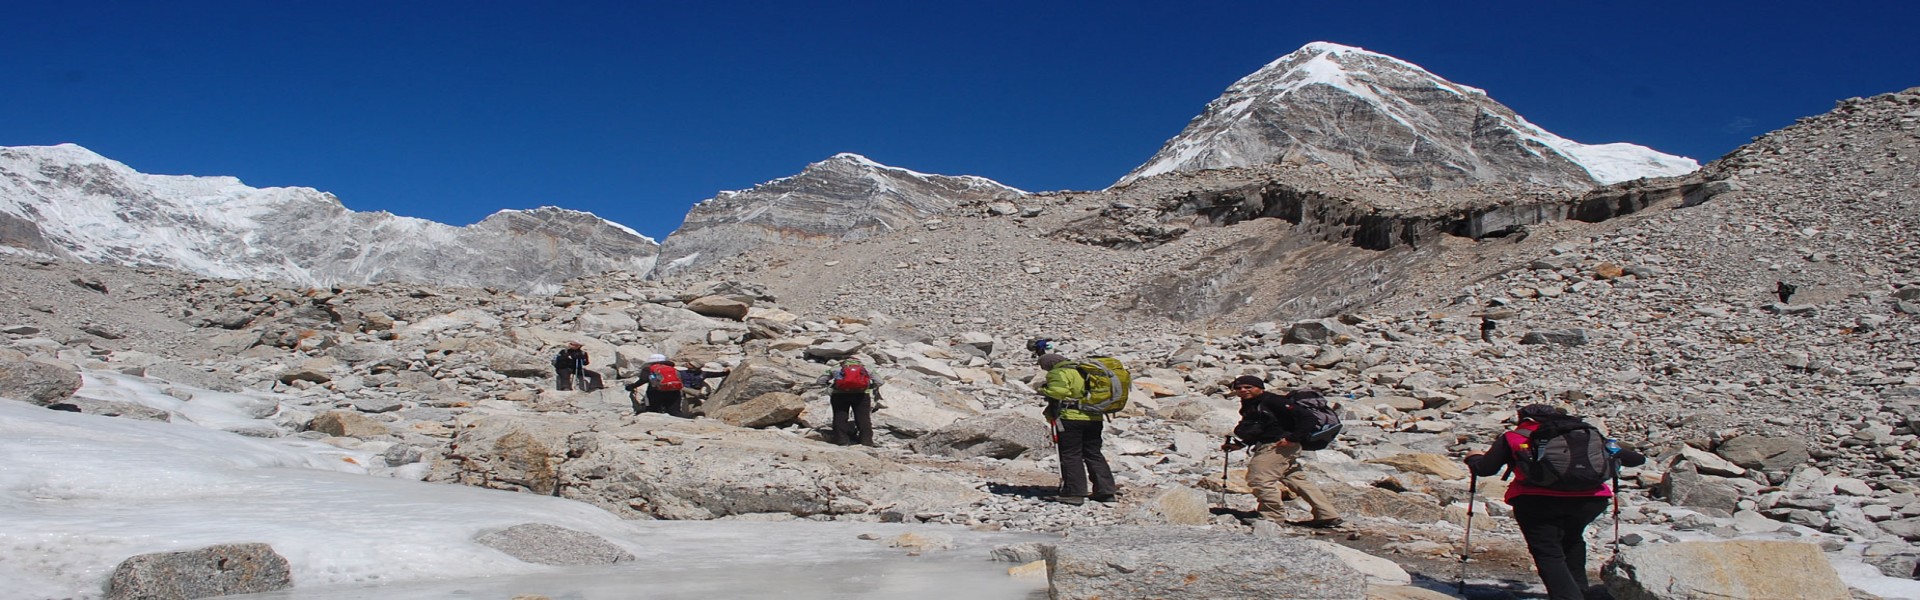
[[1081, 460], [1555, 529], [662, 402], [858, 405], [564, 378]]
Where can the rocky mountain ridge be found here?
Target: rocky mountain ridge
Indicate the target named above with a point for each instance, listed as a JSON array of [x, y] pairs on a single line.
[[845, 198], [68, 202]]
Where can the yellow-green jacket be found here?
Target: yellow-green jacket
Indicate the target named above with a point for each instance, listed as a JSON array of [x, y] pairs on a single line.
[[1067, 386]]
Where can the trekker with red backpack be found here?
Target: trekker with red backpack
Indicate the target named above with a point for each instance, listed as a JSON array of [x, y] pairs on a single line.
[[1560, 467], [853, 389], [664, 384]]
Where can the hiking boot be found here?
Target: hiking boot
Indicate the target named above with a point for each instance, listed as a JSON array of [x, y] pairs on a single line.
[[1320, 523], [1105, 497], [1071, 500]]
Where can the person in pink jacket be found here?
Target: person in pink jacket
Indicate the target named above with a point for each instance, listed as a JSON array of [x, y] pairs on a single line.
[[1553, 519]]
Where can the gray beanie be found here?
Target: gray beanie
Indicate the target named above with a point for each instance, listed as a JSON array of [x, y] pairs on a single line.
[[1047, 361]]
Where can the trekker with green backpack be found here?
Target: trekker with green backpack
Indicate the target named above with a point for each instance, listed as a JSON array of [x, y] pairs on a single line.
[[1077, 422], [1560, 467]]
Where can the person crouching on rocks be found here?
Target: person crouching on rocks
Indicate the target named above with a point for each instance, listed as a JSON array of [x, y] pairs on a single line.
[[1078, 435], [1271, 432], [1554, 517], [663, 383]]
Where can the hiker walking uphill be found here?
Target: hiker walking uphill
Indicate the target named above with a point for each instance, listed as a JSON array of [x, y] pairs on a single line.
[[571, 366], [664, 383], [1078, 433], [854, 389], [1275, 429], [1560, 468]]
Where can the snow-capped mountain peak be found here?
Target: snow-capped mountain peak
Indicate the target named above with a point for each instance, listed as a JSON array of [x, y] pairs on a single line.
[[1373, 114]]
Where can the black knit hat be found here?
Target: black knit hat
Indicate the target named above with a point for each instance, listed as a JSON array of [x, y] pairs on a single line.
[[1538, 412], [1249, 380]]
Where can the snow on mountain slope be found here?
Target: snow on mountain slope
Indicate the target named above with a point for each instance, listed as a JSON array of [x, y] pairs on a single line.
[[69, 202]]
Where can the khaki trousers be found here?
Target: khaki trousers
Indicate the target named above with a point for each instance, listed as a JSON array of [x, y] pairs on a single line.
[[1272, 470]]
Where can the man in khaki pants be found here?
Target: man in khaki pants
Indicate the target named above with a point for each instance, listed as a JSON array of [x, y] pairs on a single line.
[[1271, 428]]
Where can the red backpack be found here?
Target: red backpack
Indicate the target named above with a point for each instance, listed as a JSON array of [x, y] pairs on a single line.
[[852, 378], [662, 377]]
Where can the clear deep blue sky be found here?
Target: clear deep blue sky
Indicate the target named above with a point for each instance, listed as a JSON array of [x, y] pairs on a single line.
[[636, 110]]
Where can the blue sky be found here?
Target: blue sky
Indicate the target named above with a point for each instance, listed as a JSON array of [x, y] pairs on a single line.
[[636, 110]]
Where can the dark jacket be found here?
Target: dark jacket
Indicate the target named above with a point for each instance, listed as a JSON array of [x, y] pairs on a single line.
[[1269, 418], [571, 357]]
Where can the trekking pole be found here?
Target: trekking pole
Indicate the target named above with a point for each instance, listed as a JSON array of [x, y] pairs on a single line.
[[1473, 497], [1224, 454], [580, 375], [1616, 512]]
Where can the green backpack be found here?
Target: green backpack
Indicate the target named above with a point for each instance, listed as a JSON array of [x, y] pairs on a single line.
[[1107, 384]]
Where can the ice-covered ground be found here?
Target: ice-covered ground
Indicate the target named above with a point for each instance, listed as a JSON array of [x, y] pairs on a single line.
[[81, 493]]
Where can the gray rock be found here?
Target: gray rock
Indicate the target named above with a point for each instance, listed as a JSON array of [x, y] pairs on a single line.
[[1735, 569], [766, 410], [720, 306], [317, 370], [117, 408], [1563, 337], [1718, 496], [545, 544], [340, 423], [661, 467], [185, 375], [1021, 553], [1764, 452], [221, 570], [753, 378], [377, 405], [835, 350], [1178, 505], [1318, 331], [995, 435], [37, 382], [1908, 528], [1163, 562]]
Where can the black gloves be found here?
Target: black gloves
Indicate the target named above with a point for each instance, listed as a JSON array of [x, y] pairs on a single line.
[[1231, 445]]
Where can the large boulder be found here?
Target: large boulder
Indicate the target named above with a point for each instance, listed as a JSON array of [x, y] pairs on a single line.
[[518, 452], [1166, 562], [1685, 486], [662, 467], [1756, 570], [754, 378], [37, 382], [995, 435], [765, 410], [221, 570], [1766, 453]]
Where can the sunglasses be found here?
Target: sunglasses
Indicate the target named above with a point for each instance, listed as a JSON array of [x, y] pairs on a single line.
[[1246, 387]]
